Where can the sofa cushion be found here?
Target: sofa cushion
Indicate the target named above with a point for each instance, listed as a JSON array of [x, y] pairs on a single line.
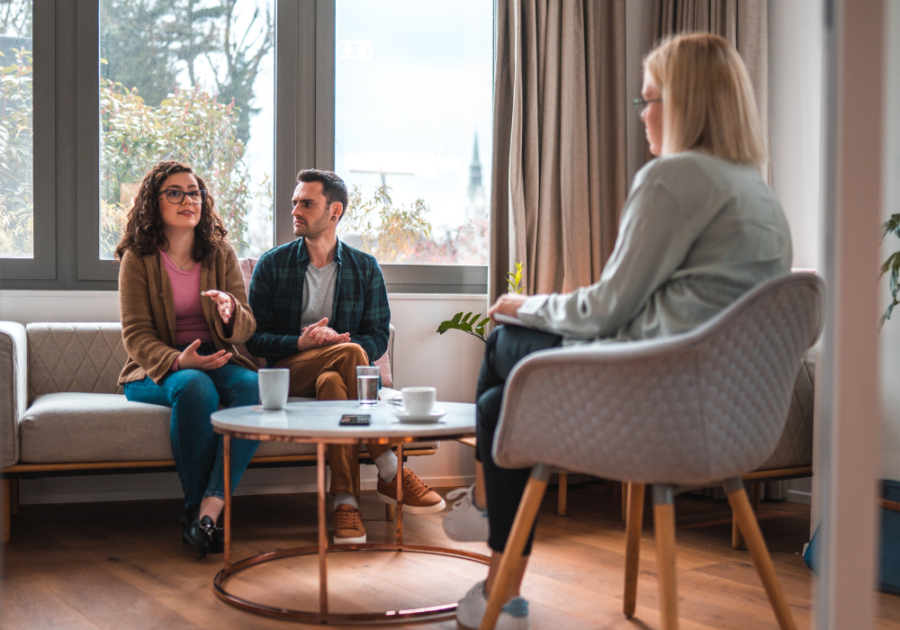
[[796, 444], [78, 427]]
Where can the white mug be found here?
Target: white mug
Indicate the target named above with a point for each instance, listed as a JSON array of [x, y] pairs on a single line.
[[418, 401], [273, 387]]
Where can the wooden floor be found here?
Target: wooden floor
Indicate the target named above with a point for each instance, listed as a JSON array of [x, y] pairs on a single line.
[[122, 565]]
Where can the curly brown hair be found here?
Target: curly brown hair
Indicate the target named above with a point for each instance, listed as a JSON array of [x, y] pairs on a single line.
[[144, 234]]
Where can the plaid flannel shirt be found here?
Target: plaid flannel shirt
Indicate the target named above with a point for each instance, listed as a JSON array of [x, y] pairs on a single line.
[[276, 297]]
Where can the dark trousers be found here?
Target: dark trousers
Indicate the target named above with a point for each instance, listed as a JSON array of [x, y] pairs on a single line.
[[506, 346]]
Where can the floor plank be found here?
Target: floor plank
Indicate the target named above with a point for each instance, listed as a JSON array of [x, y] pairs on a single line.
[[123, 565]]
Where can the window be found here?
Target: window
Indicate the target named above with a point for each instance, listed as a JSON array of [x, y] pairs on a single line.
[[190, 81], [16, 130], [413, 92], [395, 95]]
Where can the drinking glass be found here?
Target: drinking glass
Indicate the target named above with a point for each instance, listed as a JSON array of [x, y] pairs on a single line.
[[367, 384]]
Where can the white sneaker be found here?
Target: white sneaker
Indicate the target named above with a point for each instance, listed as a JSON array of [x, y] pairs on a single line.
[[466, 522], [470, 610]]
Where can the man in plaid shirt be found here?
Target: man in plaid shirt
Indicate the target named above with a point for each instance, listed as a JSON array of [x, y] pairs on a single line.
[[297, 290]]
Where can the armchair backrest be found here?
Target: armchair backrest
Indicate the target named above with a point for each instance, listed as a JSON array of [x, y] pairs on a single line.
[[690, 409]]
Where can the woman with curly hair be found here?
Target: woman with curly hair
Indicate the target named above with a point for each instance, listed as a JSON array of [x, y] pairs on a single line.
[[183, 307]]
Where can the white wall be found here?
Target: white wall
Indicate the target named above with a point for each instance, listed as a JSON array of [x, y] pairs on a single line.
[[449, 362], [795, 108], [795, 120]]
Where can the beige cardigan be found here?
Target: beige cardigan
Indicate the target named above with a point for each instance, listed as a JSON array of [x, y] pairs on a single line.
[[147, 307]]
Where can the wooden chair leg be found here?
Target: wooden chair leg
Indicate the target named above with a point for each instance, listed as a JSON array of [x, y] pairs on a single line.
[[664, 520], [389, 512], [5, 505], [737, 541], [563, 499], [633, 525], [624, 488], [512, 555], [743, 512], [14, 495]]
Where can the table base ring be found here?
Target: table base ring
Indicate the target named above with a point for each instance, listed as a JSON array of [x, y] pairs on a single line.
[[388, 616]]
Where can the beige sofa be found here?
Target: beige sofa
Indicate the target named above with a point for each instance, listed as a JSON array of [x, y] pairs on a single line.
[[62, 413]]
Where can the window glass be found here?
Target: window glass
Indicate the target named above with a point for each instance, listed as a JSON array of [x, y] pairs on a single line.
[[189, 80], [16, 137], [413, 105]]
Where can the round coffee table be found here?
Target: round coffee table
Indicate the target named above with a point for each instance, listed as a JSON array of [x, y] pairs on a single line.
[[317, 423]]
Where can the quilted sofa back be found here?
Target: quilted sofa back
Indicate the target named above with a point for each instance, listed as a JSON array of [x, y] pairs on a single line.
[[76, 357]]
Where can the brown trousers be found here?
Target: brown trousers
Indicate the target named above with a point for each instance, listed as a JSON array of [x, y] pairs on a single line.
[[329, 373]]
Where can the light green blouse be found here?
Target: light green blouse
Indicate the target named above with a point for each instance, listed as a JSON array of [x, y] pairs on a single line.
[[695, 234]]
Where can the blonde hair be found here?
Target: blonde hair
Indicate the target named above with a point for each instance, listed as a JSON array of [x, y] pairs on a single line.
[[708, 101]]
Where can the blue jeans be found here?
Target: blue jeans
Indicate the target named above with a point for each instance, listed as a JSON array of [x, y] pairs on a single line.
[[194, 396]]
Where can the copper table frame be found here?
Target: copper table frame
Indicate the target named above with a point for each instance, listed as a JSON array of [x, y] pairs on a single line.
[[323, 548]]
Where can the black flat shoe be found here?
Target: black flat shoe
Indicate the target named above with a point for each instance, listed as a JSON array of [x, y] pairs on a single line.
[[217, 544], [199, 535]]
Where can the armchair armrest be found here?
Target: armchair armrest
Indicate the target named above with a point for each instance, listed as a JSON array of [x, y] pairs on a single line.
[[13, 388]]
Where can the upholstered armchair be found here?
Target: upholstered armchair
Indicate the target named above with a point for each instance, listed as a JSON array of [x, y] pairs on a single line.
[[695, 410]]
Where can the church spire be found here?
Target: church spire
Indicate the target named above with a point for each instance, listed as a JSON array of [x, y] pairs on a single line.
[[476, 203]]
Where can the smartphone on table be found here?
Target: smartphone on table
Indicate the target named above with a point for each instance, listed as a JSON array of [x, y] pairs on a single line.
[[355, 420]]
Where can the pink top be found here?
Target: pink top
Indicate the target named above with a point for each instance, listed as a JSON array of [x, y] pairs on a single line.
[[190, 323]]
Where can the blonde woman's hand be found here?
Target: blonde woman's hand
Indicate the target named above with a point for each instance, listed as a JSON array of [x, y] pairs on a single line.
[[507, 304], [190, 360], [224, 304]]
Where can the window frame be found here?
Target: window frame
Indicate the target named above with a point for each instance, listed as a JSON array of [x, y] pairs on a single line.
[[67, 146], [42, 265]]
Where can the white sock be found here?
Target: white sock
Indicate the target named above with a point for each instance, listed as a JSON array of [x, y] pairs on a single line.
[[387, 465], [349, 499]]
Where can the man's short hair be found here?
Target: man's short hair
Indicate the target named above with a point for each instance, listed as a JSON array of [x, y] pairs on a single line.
[[333, 187]]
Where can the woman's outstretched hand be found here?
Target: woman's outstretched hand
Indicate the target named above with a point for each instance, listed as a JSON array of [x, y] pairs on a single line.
[[190, 360], [507, 304], [224, 304]]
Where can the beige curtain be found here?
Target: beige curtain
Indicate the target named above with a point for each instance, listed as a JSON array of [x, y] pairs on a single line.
[[744, 23], [559, 141]]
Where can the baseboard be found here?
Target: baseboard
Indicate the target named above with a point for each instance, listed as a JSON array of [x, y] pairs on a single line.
[[141, 487], [797, 496]]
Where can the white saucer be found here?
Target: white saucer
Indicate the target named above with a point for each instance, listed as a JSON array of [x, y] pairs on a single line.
[[434, 416]]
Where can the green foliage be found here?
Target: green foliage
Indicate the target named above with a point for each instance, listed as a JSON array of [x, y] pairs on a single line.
[[388, 232], [16, 161], [891, 265], [147, 42], [514, 280], [191, 126], [467, 323], [471, 325]]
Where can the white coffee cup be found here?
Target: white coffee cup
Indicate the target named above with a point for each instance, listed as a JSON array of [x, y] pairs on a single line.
[[273, 387], [418, 401]]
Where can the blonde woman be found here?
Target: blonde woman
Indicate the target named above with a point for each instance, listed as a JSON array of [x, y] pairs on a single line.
[[183, 307], [700, 227]]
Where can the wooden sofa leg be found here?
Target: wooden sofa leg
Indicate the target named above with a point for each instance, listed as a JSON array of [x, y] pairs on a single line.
[[5, 505], [563, 499], [390, 512], [14, 496]]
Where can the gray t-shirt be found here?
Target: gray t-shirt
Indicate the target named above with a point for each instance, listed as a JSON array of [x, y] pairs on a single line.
[[695, 234], [318, 293]]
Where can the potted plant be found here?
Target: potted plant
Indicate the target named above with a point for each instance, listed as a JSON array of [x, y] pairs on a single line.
[[474, 324]]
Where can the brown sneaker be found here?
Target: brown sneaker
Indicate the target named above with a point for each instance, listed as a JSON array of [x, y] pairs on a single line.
[[417, 497], [348, 527]]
